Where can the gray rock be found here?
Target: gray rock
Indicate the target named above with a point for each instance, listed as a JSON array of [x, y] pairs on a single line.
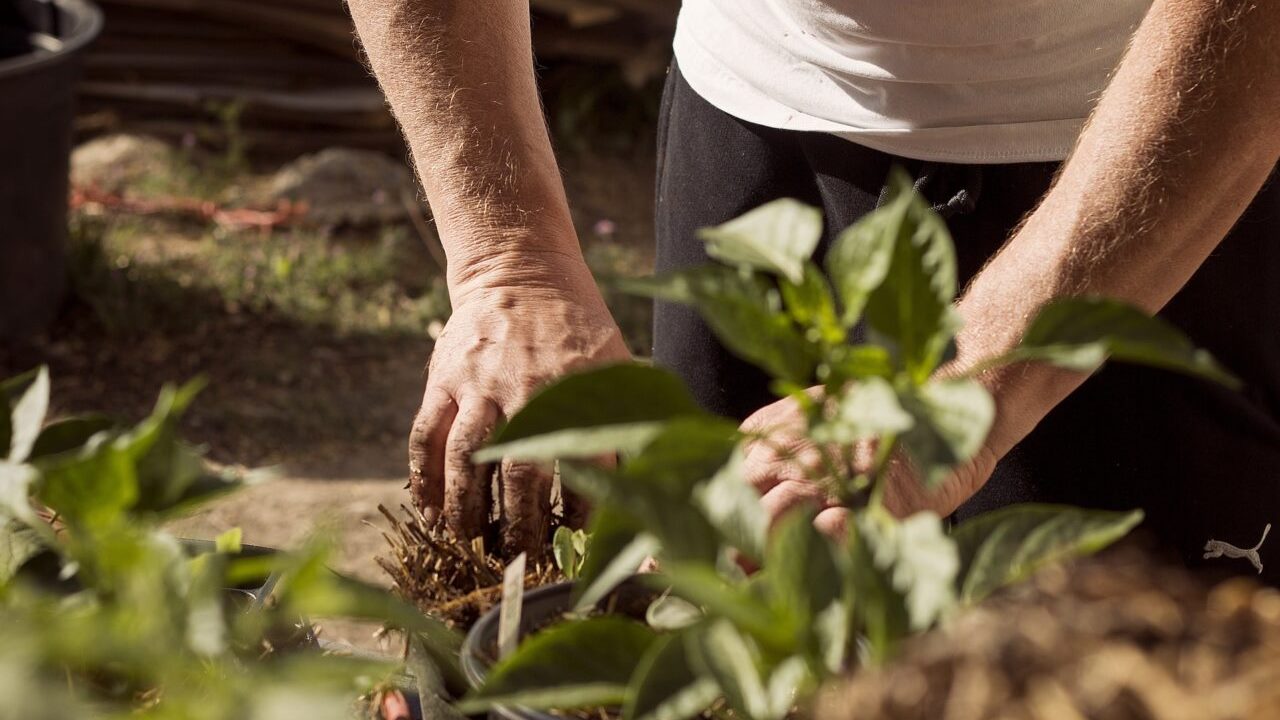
[[122, 162], [346, 187]]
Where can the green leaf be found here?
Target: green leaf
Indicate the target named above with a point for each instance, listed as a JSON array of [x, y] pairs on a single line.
[[310, 589], [665, 686], [229, 542], [1080, 333], [811, 304], [859, 259], [733, 508], [66, 435], [952, 419], [616, 546], [585, 663], [93, 486], [627, 396], [865, 410], [722, 652], [15, 492], [565, 555], [1008, 545], [573, 444], [744, 311], [700, 585], [800, 570], [789, 680], [880, 611], [912, 308], [921, 560], [27, 416], [681, 529], [857, 362], [19, 543], [669, 613], [777, 237], [686, 452]]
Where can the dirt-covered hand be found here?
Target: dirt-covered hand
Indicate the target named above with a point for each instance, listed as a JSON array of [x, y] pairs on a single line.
[[501, 344], [785, 467]]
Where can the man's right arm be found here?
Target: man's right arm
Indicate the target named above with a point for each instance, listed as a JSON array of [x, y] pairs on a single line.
[[459, 77]]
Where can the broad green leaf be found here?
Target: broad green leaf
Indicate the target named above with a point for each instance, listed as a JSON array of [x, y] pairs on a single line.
[[686, 452], [855, 362], [721, 651], [1008, 545], [1080, 333], [584, 663], [682, 531], [778, 237], [19, 543], [626, 394], [622, 566], [308, 588], [744, 311], [811, 304], [665, 686], [700, 585], [229, 542], [865, 410], [563, 552], [573, 444], [879, 609], [612, 558], [800, 570], [93, 486], [952, 419], [911, 309], [669, 613], [789, 680], [15, 492], [733, 508], [922, 562], [859, 259], [27, 416], [66, 435]]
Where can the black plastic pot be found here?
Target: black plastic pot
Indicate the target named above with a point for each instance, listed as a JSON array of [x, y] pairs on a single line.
[[542, 607], [41, 42]]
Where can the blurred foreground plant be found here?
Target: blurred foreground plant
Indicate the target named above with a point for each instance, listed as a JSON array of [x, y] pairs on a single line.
[[762, 643], [103, 614]]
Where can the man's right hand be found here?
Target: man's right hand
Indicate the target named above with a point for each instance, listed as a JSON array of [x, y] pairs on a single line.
[[505, 339]]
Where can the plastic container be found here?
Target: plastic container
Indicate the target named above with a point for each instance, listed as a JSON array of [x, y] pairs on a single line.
[[41, 46], [542, 607]]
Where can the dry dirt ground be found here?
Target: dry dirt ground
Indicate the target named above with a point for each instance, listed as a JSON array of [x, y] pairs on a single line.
[[313, 344]]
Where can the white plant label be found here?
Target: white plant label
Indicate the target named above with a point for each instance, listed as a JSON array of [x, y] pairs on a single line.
[[512, 602]]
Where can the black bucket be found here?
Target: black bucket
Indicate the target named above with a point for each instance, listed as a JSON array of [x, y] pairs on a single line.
[[41, 42], [543, 607]]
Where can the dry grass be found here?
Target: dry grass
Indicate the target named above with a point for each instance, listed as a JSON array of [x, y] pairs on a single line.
[[455, 580]]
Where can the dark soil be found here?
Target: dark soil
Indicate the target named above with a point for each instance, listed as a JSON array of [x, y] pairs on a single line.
[[1118, 637]]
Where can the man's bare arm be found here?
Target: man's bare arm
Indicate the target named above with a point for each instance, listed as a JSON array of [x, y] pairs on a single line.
[[459, 77], [1180, 143]]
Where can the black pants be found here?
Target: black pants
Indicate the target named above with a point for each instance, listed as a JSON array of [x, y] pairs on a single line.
[[1203, 461]]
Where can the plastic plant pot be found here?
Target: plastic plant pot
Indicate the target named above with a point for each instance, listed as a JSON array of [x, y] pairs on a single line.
[[41, 47], [542, 607]]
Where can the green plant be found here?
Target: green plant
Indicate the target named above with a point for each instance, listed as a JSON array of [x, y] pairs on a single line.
[[569, 548], [103, 614], [763, 642]]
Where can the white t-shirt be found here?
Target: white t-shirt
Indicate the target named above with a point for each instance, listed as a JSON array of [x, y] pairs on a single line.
[[972, 81]]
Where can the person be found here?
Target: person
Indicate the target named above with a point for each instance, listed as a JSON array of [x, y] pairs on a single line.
[[1122, 148]]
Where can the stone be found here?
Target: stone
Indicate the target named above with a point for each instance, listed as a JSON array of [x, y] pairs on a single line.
[[342, 186]]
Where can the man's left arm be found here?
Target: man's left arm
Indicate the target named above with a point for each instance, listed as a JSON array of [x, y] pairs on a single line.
[[1181, 141]]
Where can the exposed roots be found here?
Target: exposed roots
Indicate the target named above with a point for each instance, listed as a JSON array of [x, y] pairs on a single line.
[[452, 579]]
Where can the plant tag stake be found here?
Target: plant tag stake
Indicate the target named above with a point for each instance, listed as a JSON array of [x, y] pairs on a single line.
[[512, 602]]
